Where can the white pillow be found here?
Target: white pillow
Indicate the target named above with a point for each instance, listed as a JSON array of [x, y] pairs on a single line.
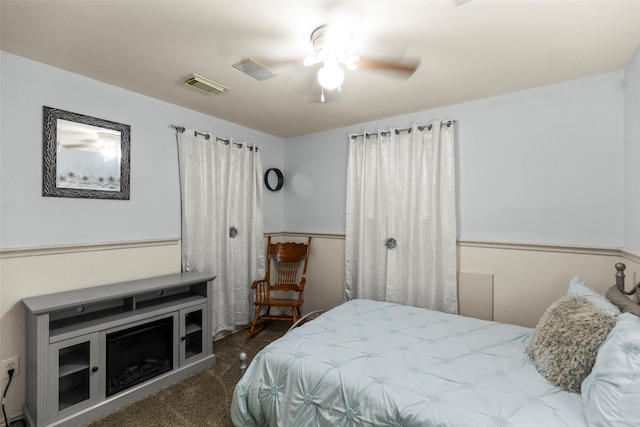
[[577, 287], [611, 392]]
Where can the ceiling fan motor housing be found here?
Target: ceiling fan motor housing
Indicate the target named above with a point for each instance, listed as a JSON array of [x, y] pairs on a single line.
[[330, 43]]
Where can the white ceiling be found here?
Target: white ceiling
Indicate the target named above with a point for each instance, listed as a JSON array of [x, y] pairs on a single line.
[[478, 49]]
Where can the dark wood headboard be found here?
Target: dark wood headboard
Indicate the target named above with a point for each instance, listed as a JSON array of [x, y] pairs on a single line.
[[620, 267]]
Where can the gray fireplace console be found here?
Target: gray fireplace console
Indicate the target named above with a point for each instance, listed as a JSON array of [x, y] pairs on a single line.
[[93, 350]]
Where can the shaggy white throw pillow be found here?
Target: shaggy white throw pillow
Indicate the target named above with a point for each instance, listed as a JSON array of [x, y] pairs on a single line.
[[565, 342]]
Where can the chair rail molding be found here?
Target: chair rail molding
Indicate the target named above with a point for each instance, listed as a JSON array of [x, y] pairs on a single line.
[[494, 244], [83, 247], [543, 247], [631, 256]]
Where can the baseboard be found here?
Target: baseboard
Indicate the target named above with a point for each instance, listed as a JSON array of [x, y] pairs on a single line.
[[16, 421], [223, 334]]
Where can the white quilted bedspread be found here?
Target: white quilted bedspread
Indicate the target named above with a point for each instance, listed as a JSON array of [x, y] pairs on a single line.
[[368, 363]]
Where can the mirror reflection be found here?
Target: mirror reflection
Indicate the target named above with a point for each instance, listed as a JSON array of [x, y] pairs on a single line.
[[88, 157]]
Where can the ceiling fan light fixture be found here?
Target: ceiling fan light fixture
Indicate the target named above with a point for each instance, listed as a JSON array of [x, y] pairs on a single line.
[[352, 62], [331, 75], [109, 144], [330, 42], [308, 61]]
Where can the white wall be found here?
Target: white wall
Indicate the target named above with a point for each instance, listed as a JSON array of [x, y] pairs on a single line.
[[315, 197], [538, 166], [27, 219], [632, 154]]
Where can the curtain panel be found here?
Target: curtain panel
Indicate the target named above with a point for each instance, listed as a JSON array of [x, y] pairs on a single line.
[[401, 217], [222, 231]]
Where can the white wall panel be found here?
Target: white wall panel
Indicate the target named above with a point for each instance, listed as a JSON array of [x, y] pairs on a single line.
[[475, 294]]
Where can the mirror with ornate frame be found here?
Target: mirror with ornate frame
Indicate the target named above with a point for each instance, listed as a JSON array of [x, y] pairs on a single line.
[[84, 157]]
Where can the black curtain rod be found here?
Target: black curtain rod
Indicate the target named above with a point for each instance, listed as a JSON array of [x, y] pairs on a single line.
[[447, 123], [207, 137]]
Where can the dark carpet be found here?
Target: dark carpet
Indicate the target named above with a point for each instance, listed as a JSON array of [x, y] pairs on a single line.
[[202, 399]]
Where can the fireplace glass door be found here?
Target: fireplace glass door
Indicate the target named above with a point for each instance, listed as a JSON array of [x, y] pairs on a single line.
[[75, 374], [192, 331]]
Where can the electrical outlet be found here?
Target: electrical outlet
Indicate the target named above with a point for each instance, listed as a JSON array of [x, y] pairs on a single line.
[[13, 363]]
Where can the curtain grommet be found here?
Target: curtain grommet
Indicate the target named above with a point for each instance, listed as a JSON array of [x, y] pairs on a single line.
[[268, 177]]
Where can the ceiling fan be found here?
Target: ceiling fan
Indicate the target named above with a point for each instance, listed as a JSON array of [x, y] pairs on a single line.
[[332, 49], [74, 136]]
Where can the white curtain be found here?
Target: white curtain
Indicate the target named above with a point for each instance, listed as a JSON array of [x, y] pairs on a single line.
[[401, 217], [221, 189]]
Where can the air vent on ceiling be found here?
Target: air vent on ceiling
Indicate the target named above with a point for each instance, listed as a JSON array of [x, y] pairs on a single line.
[[253, 68], [204, 85]]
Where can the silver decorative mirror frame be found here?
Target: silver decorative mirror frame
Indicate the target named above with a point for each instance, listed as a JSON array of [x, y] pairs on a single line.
[[92, 141]]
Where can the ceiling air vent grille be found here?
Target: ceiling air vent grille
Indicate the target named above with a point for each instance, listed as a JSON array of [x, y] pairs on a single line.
[[253, 68], [204, 85]]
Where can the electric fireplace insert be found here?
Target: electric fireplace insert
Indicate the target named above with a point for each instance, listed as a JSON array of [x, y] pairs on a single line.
[[139, 353]]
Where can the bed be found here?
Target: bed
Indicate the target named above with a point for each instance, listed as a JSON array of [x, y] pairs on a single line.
[[370, 363]]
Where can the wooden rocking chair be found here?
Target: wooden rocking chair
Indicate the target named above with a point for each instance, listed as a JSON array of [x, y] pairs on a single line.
[[285, 290]]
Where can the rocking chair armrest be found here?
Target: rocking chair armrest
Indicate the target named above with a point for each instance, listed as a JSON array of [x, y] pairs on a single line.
[[255, 283], [303, 282]]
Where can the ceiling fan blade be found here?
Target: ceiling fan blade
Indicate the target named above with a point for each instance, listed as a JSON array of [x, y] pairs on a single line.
[[83, 147], [406, 67]]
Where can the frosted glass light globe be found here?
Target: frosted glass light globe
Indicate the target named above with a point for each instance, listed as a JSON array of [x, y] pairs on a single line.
[[331, 75]]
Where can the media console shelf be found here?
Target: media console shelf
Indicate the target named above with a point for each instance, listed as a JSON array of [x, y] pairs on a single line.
[[93, 350]]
